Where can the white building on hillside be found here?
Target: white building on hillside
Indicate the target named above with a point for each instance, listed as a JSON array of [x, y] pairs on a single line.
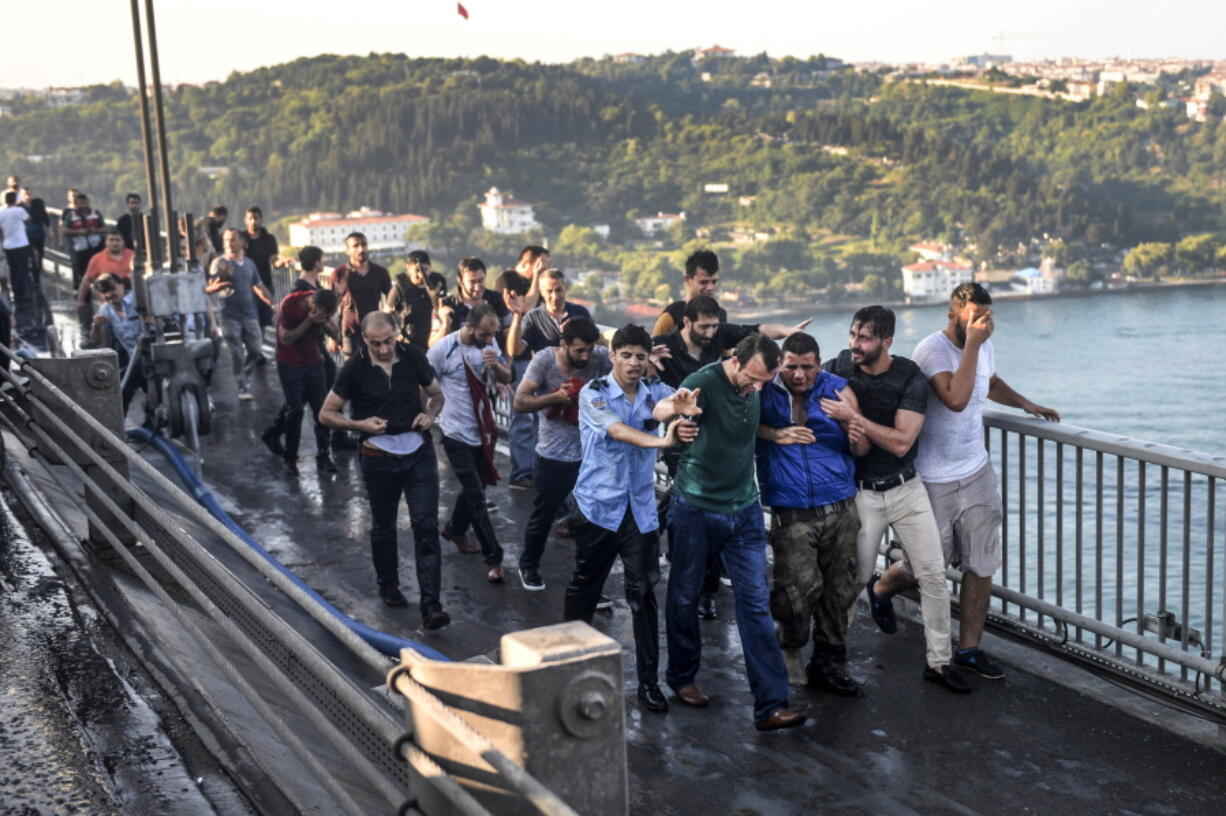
[[505, 215], [327, 230], [934, 280], [660, 222]]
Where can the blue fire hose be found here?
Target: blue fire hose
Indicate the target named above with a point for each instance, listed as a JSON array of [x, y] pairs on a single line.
[[385, 643]]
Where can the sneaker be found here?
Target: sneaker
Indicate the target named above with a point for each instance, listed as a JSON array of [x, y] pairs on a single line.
[[324, 463], [524, 483], [725, 580], [977, 660], [605, 602], [882, 609], [392, 596], [949, 677], [434, 617], [272, 441], [244, 395], [531, 578]]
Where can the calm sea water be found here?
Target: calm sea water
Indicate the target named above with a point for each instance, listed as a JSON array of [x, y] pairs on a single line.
[[1149, 365]]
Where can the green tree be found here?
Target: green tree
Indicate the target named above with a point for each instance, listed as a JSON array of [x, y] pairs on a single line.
[[1196, 253], [1149, 260]]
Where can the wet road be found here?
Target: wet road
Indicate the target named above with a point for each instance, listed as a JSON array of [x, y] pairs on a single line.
[[1022, 745]]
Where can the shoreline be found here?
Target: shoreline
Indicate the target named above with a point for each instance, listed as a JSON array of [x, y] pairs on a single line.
[[760, 315]]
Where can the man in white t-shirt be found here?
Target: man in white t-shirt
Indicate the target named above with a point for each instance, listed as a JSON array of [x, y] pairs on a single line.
[[469, 364], [953, 462], [17, 251]]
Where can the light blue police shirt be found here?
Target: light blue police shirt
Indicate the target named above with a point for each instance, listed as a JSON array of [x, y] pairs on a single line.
[[615, 474]]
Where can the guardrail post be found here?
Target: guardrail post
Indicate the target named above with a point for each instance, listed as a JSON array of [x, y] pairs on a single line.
[[554, 707], [90, 379]]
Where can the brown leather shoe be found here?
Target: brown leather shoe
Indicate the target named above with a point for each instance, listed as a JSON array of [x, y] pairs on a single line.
[[494, 574], [692, 695], [461, 541], [783, 718]]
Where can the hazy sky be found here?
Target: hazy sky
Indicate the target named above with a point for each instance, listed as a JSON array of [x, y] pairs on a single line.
[[72, 42]]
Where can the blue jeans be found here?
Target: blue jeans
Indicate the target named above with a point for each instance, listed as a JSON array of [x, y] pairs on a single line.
[[741, 538], [521, 432]]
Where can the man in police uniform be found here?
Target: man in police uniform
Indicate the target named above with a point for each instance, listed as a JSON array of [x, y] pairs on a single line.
[[615, 491]]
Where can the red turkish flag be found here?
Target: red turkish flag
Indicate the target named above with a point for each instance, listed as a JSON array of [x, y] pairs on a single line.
[[463, 12]]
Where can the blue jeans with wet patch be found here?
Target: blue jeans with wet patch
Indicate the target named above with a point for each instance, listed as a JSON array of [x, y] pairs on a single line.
[[740, 537]]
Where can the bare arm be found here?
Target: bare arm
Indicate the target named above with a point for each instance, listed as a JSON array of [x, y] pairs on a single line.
[[677, 431], [683, 402], [857, 439], [897, 440], [778, 331], [515, 332], [527, 401], [331, 415], [83, 292], [434, 406], [262, 294], [999, 391]]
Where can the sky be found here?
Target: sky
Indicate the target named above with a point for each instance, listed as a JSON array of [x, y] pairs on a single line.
[[200, 41]]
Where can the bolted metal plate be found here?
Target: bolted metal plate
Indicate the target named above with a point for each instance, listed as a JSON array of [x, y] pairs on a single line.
[[585, 704]]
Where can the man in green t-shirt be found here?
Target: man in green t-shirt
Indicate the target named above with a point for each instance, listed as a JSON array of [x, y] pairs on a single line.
[[715, 509]]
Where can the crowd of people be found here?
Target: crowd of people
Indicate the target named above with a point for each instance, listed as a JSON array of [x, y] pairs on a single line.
[[743, 417]]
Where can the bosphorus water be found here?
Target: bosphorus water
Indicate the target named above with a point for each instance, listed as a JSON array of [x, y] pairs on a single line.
[[1147, 364]]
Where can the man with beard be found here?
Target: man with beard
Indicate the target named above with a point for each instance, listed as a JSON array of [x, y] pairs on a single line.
[[262, 249], [129, 224], [414, 298], [893, 396], [469, 365], [806, 471], [361, 285], [470, 292], [552, 384], [235, 275], [953, 461]]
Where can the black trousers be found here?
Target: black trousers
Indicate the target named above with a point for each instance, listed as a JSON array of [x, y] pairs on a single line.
[[136, 381], [470, 509], [302, 386], [415, 477], [595, 551], [553, 480]]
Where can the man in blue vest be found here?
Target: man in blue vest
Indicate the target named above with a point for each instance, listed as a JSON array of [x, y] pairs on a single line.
[[806, 472]]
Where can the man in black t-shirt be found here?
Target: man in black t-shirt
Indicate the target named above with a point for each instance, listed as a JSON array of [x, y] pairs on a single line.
[[893, 394], [383, 380], [414, 298], [129, 224], [262, 249]]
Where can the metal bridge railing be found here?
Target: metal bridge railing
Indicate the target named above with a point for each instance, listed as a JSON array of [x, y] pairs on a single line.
[[82, 454], [1114, 547]]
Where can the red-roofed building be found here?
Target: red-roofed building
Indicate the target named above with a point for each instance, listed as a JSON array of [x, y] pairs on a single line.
[[934, 280], [714, 52], [931, 251], [629, 57], [505, 215], [327, 230]]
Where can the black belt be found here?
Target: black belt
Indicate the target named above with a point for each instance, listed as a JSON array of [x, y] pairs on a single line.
[[795, 515], [890, 483]]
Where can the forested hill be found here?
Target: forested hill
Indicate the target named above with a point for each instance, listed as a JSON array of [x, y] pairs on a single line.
[[819, 152]]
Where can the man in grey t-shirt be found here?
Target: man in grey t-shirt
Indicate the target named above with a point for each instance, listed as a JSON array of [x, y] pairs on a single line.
[[551, 384], [234, 277]]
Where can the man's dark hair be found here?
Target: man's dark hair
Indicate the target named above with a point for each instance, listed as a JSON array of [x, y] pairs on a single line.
[[81, 196], [800, 343], [555, 274], [325, 299], [10, 198], [106, 283], [879, 317], [630, 335], [131, 196], [360, 235], [580, 328], [237, 232], [510, 279], [533, 252], [702, 259], [219, 211], [256, 211], [112, 231], [470, 264], [965, 293], [419, 257], [701, 306], [756, 344], [308, 256], [479, 313]]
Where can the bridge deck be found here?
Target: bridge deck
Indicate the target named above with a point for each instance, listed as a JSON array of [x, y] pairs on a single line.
[[1025, 744], [905, 746]]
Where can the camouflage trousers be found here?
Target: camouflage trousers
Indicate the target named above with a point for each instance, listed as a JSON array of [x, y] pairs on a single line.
[[815, 575]]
